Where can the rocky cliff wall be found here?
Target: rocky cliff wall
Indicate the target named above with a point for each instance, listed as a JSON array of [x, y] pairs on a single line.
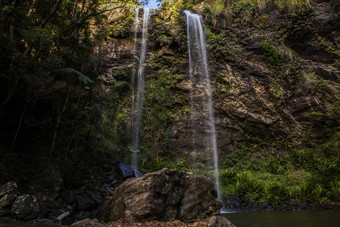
[[275, 80]]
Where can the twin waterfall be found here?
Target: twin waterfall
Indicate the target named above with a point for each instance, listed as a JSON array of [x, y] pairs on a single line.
[[200, 95], [139, 87]]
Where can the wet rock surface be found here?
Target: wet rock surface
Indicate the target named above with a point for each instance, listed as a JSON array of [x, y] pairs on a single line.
[[165, 195]]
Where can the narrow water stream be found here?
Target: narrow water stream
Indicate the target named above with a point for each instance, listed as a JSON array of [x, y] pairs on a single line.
[[140, 84]]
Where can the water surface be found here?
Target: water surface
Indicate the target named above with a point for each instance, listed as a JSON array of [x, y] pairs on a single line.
[[328, 218]]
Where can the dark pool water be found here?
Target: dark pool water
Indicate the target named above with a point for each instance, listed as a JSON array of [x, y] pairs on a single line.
[[327, 218]]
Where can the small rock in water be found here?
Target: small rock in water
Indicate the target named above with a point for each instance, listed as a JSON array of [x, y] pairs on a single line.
[[219, 221], [86, 222]]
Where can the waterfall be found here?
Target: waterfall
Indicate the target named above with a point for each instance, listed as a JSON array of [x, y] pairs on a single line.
[[201, 94], [140, 85], [134, 52]]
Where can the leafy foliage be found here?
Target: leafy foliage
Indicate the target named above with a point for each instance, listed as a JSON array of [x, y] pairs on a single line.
[[272, 56], [49, 76], [305, 175]]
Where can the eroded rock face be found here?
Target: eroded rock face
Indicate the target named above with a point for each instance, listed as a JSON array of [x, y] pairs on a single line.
[[26, 207], [166, 195]]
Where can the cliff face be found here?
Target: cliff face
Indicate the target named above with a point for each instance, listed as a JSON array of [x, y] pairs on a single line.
[[275, 81]]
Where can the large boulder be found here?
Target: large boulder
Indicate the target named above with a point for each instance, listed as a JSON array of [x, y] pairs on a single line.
[[166, 195], [26, 207]]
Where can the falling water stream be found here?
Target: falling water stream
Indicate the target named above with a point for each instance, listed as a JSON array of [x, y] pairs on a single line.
[[140, 84], [201, 95], [133, 79]]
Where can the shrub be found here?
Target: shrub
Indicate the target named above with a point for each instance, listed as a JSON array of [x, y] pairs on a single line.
[[305, 190], [335, 190], [237, 188], [272, 55], [275, 192], [227, 177], [243, 5], [293, 191], [279, 165], [318, 192]]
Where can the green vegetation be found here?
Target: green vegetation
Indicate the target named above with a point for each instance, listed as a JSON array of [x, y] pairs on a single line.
[[156, 121], [159, 163], [51, 112], [271, 54], [304, 175], [317, 116], [120, 28], [221, 12], [263, 5]]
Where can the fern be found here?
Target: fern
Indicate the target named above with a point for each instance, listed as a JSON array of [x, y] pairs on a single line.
[[81, 77]]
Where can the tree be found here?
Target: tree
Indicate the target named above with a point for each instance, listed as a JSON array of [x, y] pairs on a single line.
[[47, 77]]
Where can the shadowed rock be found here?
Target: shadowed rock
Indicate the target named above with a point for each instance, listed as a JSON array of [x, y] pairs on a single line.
[[165, 195], [8, 193], [26, 207]]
